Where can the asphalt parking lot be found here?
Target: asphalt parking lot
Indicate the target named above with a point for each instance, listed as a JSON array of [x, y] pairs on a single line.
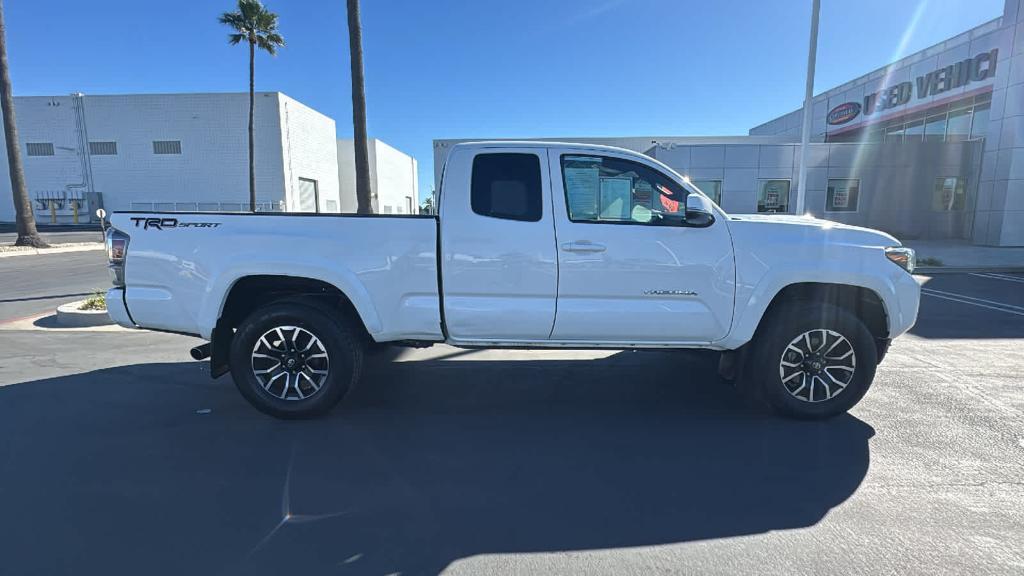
[[120, 455]]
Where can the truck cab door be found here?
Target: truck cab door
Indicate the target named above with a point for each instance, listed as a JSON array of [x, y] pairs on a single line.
[[632, 270], [499, 275]]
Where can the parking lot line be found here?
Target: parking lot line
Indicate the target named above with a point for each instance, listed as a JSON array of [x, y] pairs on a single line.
[[980, 302], [995, 276]]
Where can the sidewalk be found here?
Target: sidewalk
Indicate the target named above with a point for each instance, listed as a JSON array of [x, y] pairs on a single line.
[[7, 237], [7, 251], [960, 255]]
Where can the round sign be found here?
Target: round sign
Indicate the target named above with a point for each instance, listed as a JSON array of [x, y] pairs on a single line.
[[843, 113], [101, 213]]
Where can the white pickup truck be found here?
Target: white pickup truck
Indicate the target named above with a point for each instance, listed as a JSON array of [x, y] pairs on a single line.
[[537, 245]]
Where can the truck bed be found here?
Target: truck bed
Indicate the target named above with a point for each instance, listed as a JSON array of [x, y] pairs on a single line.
[[181, 266]]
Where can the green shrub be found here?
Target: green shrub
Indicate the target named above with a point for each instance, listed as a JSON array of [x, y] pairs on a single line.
[[98, 301]]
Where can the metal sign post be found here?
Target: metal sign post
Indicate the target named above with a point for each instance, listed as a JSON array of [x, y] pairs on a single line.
[[808, 112]]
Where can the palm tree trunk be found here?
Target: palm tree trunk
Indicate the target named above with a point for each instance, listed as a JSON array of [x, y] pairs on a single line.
[[27, 234], [252, 103], [364, 193]]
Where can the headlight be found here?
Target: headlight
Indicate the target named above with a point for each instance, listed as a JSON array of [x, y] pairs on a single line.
[[902, 257]]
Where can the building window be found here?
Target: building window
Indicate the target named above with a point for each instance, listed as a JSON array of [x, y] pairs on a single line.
[[843, 195], [167, 147], [958, 125], [408, 204], [39, 148], [949, 195], [979, 124], [610, 190], [935, 128], [914, 131], [894, 133], [309, 195], [103, 148], [773, 196], [507, 186], [711, 188]]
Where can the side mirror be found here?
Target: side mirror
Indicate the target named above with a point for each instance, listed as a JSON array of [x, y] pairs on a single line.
[[698, 212]]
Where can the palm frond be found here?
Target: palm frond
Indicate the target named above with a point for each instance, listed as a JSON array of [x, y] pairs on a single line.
[[233, 19], [274, 38], [250, 9], [253, 23], [266, 21]]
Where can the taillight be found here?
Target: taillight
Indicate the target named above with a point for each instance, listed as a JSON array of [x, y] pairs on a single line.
[[117, 249]]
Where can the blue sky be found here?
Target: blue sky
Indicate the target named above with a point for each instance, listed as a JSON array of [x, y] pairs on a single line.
[[483, 68]]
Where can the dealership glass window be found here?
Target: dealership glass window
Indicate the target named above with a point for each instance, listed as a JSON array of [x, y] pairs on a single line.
[[507, 186], [39, 148], [711, 188], [935, 128], [773, 196], [979, 124], [949, 194], [914, 131], [958, 125], [605, 189], [894, 133], [842, 195]]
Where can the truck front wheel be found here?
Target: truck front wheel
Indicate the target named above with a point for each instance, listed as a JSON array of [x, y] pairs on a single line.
[[294, 359], [811, 360]]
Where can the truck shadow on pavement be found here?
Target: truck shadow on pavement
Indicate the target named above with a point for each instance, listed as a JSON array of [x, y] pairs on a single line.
[[122, 470]]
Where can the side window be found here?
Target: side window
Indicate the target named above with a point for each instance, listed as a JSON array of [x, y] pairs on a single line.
[[605, 189], [507, 186]]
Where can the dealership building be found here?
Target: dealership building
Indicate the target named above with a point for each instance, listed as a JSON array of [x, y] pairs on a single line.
[[928, 147], [190, 152]]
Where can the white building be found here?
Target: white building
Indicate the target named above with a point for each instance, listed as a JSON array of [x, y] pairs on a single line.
[[181, 152], [393, 178]]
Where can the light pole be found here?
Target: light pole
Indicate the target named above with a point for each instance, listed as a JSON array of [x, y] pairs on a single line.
[[808, 111]]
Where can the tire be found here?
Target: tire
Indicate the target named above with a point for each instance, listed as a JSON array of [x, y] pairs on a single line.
[[324, 353], [811, 385]]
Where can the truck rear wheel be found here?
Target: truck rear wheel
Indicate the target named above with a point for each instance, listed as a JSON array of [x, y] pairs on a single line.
[[811, 360], [295, 360]]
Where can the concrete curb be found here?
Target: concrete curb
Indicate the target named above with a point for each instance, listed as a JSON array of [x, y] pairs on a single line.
[[69, 316], [56, 250], [931, 270]]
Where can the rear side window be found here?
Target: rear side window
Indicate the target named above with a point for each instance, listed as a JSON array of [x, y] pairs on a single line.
[[507, 186]]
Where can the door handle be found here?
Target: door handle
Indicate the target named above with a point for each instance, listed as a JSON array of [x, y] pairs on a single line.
[[583, 246]]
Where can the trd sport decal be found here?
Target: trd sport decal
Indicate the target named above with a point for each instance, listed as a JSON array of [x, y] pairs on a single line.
[[161, 223]]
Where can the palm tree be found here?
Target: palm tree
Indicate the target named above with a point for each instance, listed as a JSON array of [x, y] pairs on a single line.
[[258, 26], [27, 234], [362, 160]]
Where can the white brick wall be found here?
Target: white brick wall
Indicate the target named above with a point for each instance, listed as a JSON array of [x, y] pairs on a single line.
[[213, 165], [308, 142], [392, 176]]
